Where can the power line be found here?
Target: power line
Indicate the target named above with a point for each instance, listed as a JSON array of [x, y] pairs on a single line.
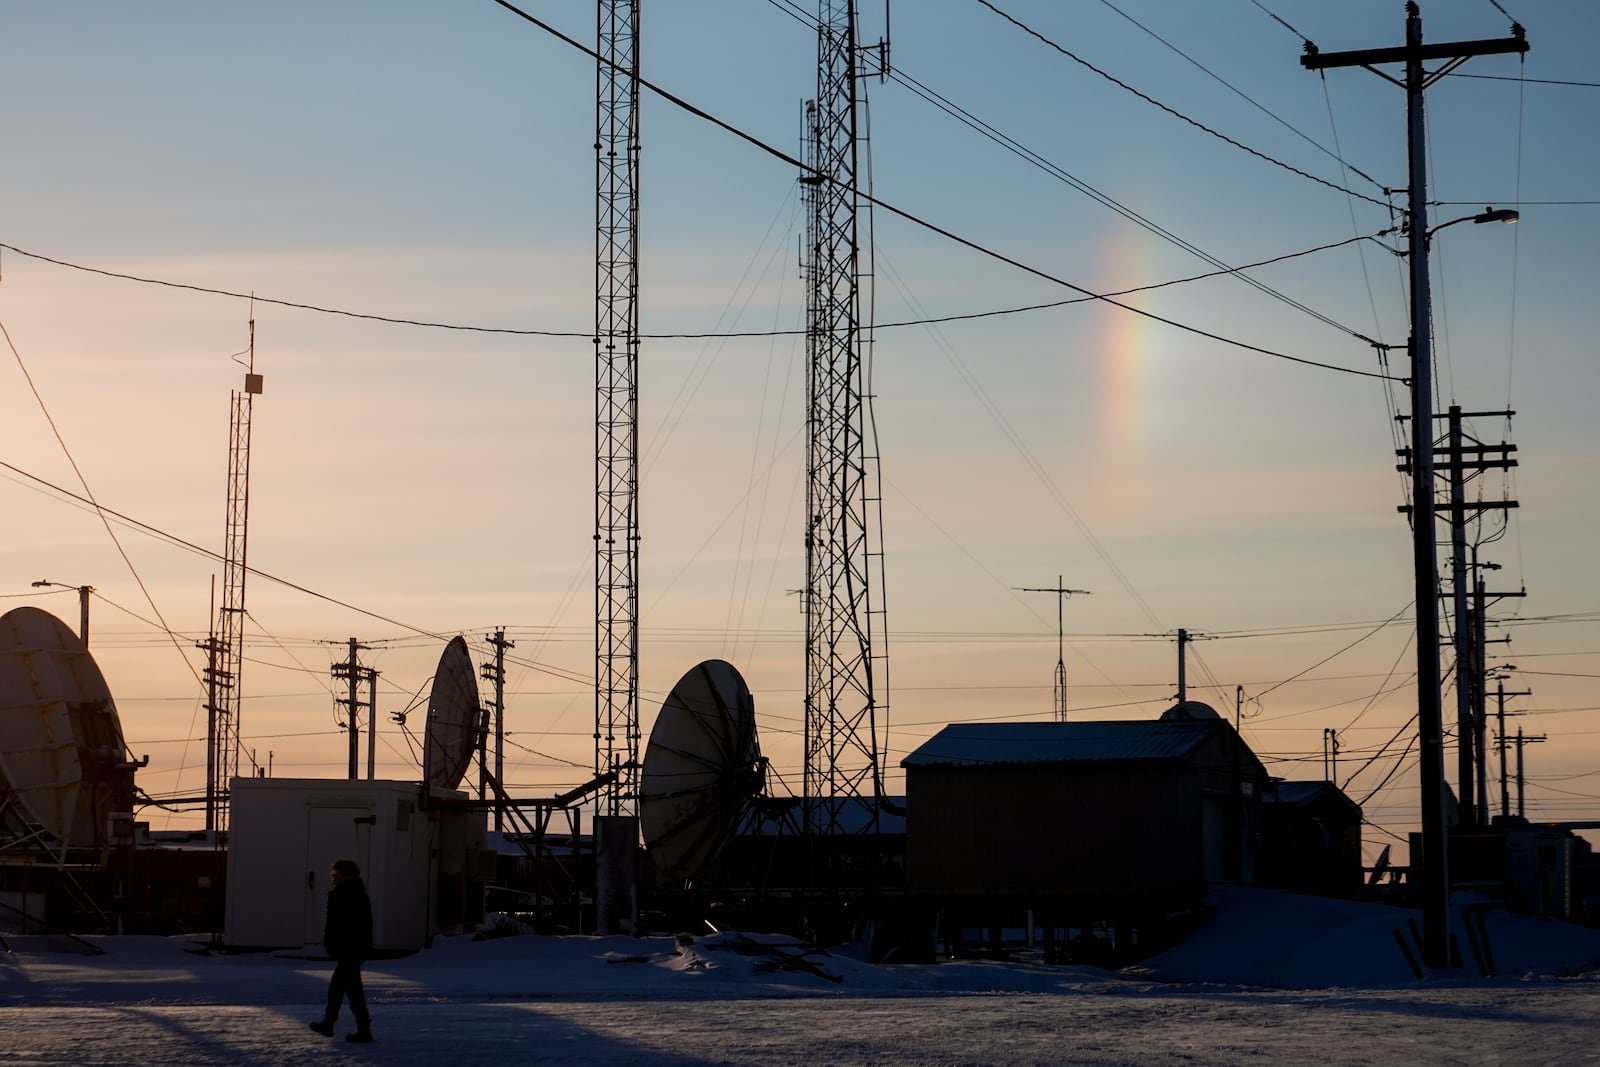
[[1176, 113], [737, 334], [1534, 81], [1334, 655], [1274, 17], [103, 511], [1060, 173], [917, 220], [1219, 79]]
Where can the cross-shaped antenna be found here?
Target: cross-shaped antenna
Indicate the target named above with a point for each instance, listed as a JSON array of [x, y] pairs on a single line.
[[1062, 593]]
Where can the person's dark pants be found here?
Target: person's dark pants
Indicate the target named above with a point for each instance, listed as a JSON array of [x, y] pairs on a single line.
[[346, 981]]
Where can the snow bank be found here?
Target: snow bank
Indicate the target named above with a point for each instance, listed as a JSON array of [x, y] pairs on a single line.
[[1272, 938]]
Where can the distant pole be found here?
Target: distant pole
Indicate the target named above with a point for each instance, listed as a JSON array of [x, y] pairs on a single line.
[[355, 717], [1183, 641], [1519, 772], [1522, 781], [496, 673], [351, 672], [1466, 773], [1062, 593], [83, 605], [372, 723], [1505, 796], [1500, 694], [1425, 564]]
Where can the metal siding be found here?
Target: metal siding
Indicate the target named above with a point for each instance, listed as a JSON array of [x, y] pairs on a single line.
[[1038, 831]]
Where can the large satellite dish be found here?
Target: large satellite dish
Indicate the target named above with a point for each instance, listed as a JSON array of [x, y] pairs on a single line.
[[62, 755], [454, 718], [701, 767]]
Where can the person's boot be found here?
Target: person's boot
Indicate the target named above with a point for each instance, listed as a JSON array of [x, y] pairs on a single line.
[[323, 1027], [363, 1034]]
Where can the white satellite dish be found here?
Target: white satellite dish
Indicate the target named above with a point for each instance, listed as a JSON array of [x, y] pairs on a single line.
[[454, 718], [701, 768], [62, 754]]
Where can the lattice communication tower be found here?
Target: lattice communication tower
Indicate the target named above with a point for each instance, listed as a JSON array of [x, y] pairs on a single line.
[[227, 663], [616, 340], [844, 557]]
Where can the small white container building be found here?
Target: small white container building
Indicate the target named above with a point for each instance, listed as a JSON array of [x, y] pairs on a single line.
[[420, 854]]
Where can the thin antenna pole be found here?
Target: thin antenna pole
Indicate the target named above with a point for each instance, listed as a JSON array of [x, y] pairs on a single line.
[[1183, 688], [1062, 593]]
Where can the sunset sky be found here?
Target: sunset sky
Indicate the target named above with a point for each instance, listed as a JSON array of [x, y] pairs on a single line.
[[435, 162]]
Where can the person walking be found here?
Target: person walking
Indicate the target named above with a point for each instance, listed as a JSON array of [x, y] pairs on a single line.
[[347, 935]]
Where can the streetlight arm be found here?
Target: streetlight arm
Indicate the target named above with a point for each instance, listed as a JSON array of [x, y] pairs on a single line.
[[1488, 214]]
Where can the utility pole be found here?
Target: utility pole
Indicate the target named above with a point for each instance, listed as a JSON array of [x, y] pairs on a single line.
[[1500, 696], [1522, 781], [1330, 755], [1062, 593], [372, 721], [214, 680], [1480, 711], [1185, 638], [352, 672], [1464, 457], [1430, 726], [1183, 641], [496, 673], [83, 604]]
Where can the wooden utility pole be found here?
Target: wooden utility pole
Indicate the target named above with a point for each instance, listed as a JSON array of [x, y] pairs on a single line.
[[1463, 458], [1522, 780], [1430, 726], [352, 672], [1062, 593], [496, 673], [1500, 695]]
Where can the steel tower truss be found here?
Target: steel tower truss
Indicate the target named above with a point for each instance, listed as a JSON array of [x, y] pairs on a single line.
[[616, 538], [844, 558], [223, 757]]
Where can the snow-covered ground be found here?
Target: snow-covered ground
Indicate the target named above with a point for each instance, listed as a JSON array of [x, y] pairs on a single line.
[[1273, 978]]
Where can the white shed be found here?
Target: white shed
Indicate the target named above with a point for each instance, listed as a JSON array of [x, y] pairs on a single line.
[[417, 855]]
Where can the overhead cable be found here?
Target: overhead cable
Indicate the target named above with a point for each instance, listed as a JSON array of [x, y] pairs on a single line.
[[916, 220], [1172, 111], [1241, 94]]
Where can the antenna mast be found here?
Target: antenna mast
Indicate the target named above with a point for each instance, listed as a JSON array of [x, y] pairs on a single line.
[[616, 340], [227, 660], [1062, 593], [844, 534]]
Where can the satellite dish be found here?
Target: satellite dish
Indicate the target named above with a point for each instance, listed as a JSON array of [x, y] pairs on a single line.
[[454, 718], [61, 750], [701, 767]]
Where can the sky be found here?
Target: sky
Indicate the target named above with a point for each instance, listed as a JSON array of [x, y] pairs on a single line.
[[409, 483], [1235, 990]]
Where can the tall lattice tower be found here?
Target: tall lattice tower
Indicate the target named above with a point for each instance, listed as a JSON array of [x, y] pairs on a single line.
[[227, 647], [846, 673], [616, 340]]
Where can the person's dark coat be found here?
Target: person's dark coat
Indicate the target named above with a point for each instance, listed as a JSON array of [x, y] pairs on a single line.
[[347, 933]]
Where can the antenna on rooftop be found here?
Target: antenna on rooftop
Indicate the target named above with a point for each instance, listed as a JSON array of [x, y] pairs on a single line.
[[1062, 593]]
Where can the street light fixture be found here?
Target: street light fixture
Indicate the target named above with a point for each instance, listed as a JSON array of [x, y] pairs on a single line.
[[83, 604], [1489, 214]]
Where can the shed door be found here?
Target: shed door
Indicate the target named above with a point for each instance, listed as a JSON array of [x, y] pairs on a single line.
[[332, 834]]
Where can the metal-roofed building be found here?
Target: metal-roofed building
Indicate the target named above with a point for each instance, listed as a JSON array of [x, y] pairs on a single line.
[[1083, 820], [1311, 839]]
